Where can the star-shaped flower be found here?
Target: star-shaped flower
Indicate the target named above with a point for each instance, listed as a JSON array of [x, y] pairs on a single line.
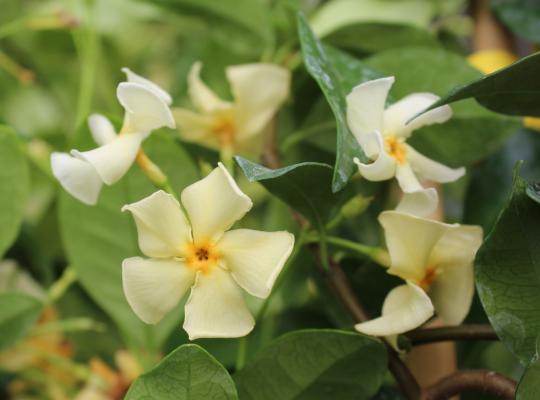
[[196, 250], [82, 174]]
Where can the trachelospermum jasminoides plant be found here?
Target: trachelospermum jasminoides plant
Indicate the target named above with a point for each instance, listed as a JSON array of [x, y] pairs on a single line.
[[197, 250]]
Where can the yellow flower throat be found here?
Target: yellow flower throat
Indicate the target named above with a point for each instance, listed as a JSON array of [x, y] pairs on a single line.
[[201, 257], [396, 149]]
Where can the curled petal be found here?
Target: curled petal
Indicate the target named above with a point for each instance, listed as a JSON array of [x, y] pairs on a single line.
[[101, 129], [398, 114], [258, 90], [202, 97], [216, 307], [408, 182], [162, 228], [432, 170], [135, 78], [145, 110], [196, 128], [384, 166], [77, 177], [405, 308], [214, 204], [154, 287], [422, 203], [113, 160], [255, 258], [458, 246], [365, 108]]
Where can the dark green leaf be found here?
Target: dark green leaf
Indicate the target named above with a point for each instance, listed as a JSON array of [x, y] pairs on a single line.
[[14, 186], [336, 75], [188, 373], [529, 384], [514, 90], [508, 273], [18, 313], [521, 16], [315, 364], [305, 187]]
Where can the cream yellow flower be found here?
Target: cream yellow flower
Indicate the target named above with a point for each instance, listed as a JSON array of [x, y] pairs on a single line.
[[382, 134], [196, 250], [82, 174], [258, 90], [436, 261]]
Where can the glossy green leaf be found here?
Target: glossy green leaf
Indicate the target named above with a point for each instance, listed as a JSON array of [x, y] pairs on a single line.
[[529, 384], [473, 132], [508, 271], [336, 74], [305, 187], [18, 313], [14, 186], [98, 238], [313, 365], [521, 16], [188, 373], [514, 90]]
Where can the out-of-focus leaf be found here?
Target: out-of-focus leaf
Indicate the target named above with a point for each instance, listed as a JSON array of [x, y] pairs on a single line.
[[514, 90], [521, 16], [305, 187], [14, 186], [336, 74], [508, 271], [98, 238], [315, 364], [18, 313], [529, 384], [188, 373], [473, 132]]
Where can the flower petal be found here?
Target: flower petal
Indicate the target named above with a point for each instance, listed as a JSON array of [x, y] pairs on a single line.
[[408, 182], [398, 114], [196, 127], [405, 308], [422, 203], [113, 160], [384, 166], [145, 110], [202, 97], [259, 90], [410, 241], [365, 107], [458, 246], [101, 129], [154, 287], [216, 308], [214, 204], [135, 78], [162, 227], [255, 258], [432, 170], [77, 177]]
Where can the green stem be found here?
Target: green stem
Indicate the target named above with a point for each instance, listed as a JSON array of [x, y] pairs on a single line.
[[298, 136], [69, 325], [154, 173], [241, 353], [226, 154], [59, 288]]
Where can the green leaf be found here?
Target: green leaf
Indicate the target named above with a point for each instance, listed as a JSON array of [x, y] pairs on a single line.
[[529, 384], [315, 364], [14, 186], [98, 238], [521, 16], [514, 90], [188, 373], [508, 273], [18, 314], [473, 132], [336, 74], [305, 187]]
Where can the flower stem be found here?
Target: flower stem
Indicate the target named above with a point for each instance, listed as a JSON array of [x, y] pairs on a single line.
[[59, 288], [452, 333], [241, 353], [154, 173], [226, 153]]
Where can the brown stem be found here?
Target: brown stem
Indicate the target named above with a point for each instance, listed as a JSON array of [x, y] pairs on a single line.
[[452, 333], [480, 381]]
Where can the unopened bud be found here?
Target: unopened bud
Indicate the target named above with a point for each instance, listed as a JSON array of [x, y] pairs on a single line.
[[356, 206]]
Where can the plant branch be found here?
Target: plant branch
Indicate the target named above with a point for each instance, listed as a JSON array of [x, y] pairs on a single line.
[[480, 381], [452, 333], [154, 173]]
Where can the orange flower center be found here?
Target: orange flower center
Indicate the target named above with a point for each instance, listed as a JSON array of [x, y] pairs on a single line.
[[201, 257], [428, 278], [224, 128], [396, 149]]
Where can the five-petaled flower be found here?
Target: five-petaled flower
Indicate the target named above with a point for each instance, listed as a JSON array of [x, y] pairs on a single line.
[[258, 89], [382, 134], [196, 250], [82, 174], [435, 259]]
